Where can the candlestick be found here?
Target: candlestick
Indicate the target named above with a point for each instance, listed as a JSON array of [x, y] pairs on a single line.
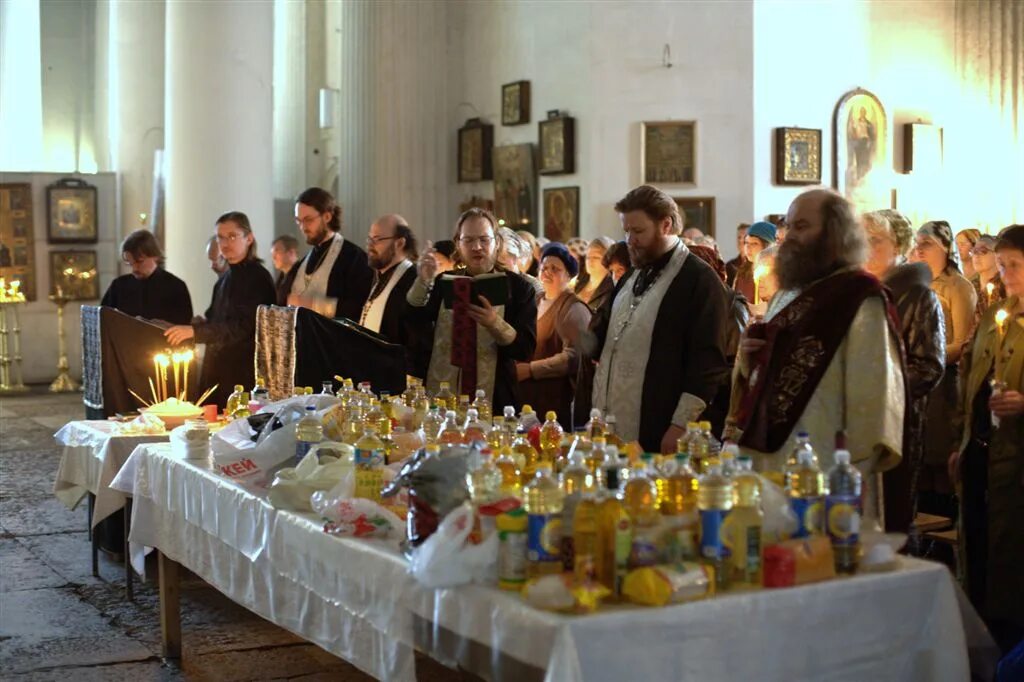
[[63, 383], [164, 364]]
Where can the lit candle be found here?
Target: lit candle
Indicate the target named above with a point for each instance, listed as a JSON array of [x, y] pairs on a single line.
[[156, 376], [990, 288], [176, 361], [1001, 317], [187, 358], [759, 272], [163, 362]]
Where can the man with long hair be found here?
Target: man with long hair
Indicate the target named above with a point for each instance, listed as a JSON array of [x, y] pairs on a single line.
[[827, 357], [149, 290]]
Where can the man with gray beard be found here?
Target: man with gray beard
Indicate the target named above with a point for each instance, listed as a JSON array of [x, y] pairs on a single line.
[[827, 358]]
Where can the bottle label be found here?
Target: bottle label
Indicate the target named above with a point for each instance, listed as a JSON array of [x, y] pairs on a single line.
[[369, 481], [302, 448], [544, 540], [843, 515], [711, 544], [511, 557], [369, 457], [643, 549], [808, 511], [753, 566]]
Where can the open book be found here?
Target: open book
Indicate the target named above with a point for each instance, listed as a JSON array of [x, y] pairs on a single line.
[[491, 285]]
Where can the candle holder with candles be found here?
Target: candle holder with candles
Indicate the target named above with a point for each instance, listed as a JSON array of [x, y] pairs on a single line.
[[10, 330], [169, 388]]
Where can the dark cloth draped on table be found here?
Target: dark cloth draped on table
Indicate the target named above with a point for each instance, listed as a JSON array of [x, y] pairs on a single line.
[[230, 330], [298, 347], [161, 296], [118, 352], [349, 281]]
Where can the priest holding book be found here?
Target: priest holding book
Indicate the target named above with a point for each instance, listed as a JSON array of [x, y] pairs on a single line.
[[482, 318]]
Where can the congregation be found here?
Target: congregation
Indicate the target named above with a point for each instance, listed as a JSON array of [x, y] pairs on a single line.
[[906, 345]]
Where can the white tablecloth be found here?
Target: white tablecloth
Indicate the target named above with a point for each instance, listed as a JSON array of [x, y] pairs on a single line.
[[355, 599], [91, 458]]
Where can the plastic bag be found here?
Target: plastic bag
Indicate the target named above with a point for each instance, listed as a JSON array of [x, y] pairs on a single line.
[[560, 592], [664, 584], [446, 559], [779, 520], [359, 518], [323, 467]]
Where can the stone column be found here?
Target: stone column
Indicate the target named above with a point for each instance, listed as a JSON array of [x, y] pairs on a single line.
[[219, 122]]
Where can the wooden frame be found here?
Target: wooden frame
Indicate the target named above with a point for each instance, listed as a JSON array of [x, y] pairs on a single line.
[[515, 103], [476, 139], [557, 144], [922, 147], [668, 152], [17, 234], [82, 282], [71, 212], [797, 156], [698, 212], [860, 149], [515, 186], [561, 213]]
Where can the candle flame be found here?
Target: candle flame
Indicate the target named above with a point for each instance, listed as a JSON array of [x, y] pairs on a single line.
[[761, 270], [990, 287], [1001, 316], [162, 359]]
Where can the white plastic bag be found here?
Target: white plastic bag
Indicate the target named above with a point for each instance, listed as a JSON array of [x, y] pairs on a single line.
[[447, 560], [779, 520], [293, 486]]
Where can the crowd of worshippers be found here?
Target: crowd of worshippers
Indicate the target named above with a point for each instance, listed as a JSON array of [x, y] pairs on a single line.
[[909, 341]]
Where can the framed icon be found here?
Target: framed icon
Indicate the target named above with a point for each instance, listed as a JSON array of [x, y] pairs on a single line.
[[561, 213], [17, 259], [75, 273], [698, 212], [515, 103], [669, 152], [71, 212], [557, 144], [476, 139], [797, 156]]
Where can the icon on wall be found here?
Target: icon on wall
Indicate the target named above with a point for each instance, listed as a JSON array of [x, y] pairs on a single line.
[[71, 212]]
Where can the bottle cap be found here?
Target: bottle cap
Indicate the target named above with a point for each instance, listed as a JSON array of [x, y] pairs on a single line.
[[733, 449], [599, 441], [595, 413], [705, 425], [481, 393], [509, 411], [239, 388], [551, 416], [692, 425], [526, 409], [745, 462], [310, 408], [842, 457]]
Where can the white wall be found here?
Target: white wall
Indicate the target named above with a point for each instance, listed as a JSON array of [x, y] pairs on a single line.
[[807, 55], [602, 63], [39, 317]]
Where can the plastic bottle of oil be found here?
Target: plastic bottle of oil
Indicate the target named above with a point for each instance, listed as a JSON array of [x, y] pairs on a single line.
[[843, 511], [806, 490], [714, 445], [576, 477], [528, 418], [445, 398], [596, 427], [308, 432], [525, 455], [742, 528], [382, 426], [482, 405], [715, 497], [511, 477], [369, 461], [728, 457], [574, 480], [496, 434], [550, 438], [352, 429], [450, 433], [640, 498], [462, 408], [595, 458], [698, 448], [474, 430], [614, 535], [611, 435], [242, 411], [658, 469], [679, 511], [433, 422], [232, 404], [584, 538], [542, 499], [485, 481]]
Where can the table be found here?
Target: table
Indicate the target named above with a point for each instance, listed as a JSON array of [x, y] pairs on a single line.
[[355, 599], [91, 458]]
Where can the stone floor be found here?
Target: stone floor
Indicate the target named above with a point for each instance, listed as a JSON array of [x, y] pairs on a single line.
[[57, 621]]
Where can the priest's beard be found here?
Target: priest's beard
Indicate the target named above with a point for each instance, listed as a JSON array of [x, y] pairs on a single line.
[[797, 265], [381, 261]]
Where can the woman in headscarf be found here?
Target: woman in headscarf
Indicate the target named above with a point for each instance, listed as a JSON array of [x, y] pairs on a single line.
[[988, 285], [923, 332], [934, 246], [597, 287], [759, 237], [548, 380], [990, 459], [965, 241]]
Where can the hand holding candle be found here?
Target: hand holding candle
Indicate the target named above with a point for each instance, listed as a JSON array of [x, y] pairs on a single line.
[[990, 289], [1001, 317], [759, 272]]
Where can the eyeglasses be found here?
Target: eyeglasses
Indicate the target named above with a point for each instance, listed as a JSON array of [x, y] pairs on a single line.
[[470, 242], [230, 238], [979, 251], [373, 241], [131, 260], [308, 220]]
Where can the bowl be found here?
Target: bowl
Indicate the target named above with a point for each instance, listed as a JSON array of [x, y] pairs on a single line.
[[173, 421]]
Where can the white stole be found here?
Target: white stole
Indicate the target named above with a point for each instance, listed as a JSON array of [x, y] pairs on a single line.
[[373, 310], [315, 285]]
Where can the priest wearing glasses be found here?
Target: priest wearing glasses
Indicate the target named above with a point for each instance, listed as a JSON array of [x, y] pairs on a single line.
[[333, 278]]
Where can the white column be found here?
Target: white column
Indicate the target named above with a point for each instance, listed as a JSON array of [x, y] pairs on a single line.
[[135, 103], [21, 86], [289, 98], [219, 119]]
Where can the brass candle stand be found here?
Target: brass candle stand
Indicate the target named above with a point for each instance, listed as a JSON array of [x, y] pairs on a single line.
[[10, 329], [63, 383]]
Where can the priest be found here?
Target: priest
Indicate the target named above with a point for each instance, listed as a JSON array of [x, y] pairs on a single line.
[[149, 291], [391, 254], [828, 357], [662, 342], [476, 341], [333, 278]]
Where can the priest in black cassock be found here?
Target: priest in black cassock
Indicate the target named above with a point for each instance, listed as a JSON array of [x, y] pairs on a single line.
[[333, 278], [391, 253], [149, 291], [662, 342]]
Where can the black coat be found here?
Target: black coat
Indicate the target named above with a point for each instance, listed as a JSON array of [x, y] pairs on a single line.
[[688, 347], [230, 330], [161, 296], [520, 312], [349, 281]]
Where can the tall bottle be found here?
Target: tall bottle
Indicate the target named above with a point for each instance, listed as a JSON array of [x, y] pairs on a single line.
[[511, 476], [445, 398], [584, 538], [409, 394], [698, 448], [729, 455], [232, 404], [525, 455], [574, 481], [260, 394], [484, 482], [369, 461], [542, 499], [433, 422], [714, 445], [483, 405], [352, 430], [843, 512], [611, 434], [497, 434], [450, 433], [474, 430], [242, 410], [596, 427], [551, 438], [640, 498], [595, 458], [714, 502], [576, 477], [743, 526], [462, 408], [308, 432], [528, 418], [679, 511], [382, 427], [614, 534], [805, 488]]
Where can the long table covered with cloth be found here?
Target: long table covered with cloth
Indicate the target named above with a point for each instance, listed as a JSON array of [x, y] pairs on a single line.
[[355, 599]]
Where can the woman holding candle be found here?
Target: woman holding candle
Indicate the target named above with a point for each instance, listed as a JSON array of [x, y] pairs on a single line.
[[965, 241], [987, 283], [990, 461], [934, 246], [229, 332], [759, 237]]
